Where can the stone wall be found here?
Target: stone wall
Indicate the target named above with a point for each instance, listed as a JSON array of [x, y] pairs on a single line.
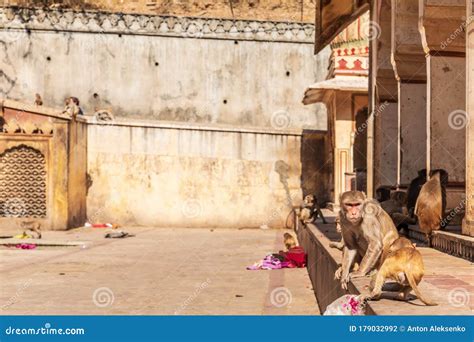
[[208, 112], [172, 175], [244, 73]]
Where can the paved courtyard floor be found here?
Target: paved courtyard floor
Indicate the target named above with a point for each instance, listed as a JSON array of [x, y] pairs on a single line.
[[156, 272]]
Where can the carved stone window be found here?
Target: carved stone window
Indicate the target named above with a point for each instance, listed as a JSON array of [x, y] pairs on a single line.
[[22, 183]]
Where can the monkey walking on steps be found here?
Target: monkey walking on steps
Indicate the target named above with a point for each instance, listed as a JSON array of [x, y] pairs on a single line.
[[403, 264]]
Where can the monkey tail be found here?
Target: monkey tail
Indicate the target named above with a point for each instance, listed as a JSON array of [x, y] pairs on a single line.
[[415, 288], [289, 226]]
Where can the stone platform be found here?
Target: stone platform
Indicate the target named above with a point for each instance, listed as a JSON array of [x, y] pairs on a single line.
[[448, 280], [450, 241], [157, 272]]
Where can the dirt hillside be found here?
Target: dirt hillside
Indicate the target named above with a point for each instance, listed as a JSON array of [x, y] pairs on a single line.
[[281, 10]]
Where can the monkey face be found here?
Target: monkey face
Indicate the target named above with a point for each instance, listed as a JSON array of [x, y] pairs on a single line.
[[309, 199], [353, 211], [351, 205]]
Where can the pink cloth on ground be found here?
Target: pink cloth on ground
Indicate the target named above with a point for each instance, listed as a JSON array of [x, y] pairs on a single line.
[[269, 263]]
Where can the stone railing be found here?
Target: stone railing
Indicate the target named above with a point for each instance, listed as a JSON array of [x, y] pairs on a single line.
[[16, 18]]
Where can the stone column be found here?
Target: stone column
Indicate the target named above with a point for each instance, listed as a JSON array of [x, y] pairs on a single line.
[[343, 126], [385, 100], [468, 224], [409, 64], [442, 32]]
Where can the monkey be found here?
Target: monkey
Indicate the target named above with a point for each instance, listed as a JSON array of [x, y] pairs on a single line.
[[19, 130], [429, 206], [395, 203], [3, 123], [367, 230], [37, 130], [340, 246], [104, 115], [289, 241], [72, 107], [38, 100], [310, 210], [382, 194], [395, 207], [444, 177], [414, 190], [31, 226], [404, 264]]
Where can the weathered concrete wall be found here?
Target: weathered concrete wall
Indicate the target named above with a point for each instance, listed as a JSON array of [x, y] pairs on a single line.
[[448, 119], [164, 68], [221, 146], [412, 109], [175, 176]]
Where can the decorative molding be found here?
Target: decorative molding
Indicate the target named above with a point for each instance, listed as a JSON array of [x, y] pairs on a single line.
[[17, 18]]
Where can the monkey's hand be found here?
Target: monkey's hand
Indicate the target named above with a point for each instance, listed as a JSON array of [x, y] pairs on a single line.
[[338, 273], [344, 282]]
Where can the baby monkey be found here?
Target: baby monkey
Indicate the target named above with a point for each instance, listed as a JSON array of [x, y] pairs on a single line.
[[310, 210], [404, 265], [289, 241]]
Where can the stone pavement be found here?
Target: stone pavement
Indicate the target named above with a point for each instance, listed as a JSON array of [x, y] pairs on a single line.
[[156, 272]]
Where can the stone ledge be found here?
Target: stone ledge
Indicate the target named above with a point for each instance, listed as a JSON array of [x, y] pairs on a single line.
[[41, 110], [17, 18], [458, 245], [91, 120], [446, 278]]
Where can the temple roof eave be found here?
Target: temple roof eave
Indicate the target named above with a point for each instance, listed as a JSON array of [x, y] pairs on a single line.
[[318, 92]]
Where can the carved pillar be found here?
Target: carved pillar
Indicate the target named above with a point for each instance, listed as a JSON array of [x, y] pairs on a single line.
[[468, 224], [409, 64], [441, 26], [385, 100]]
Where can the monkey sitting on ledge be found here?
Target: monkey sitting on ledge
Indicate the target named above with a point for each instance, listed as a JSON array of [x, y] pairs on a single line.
[[367, 231], [310, 210], [403, 264]]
